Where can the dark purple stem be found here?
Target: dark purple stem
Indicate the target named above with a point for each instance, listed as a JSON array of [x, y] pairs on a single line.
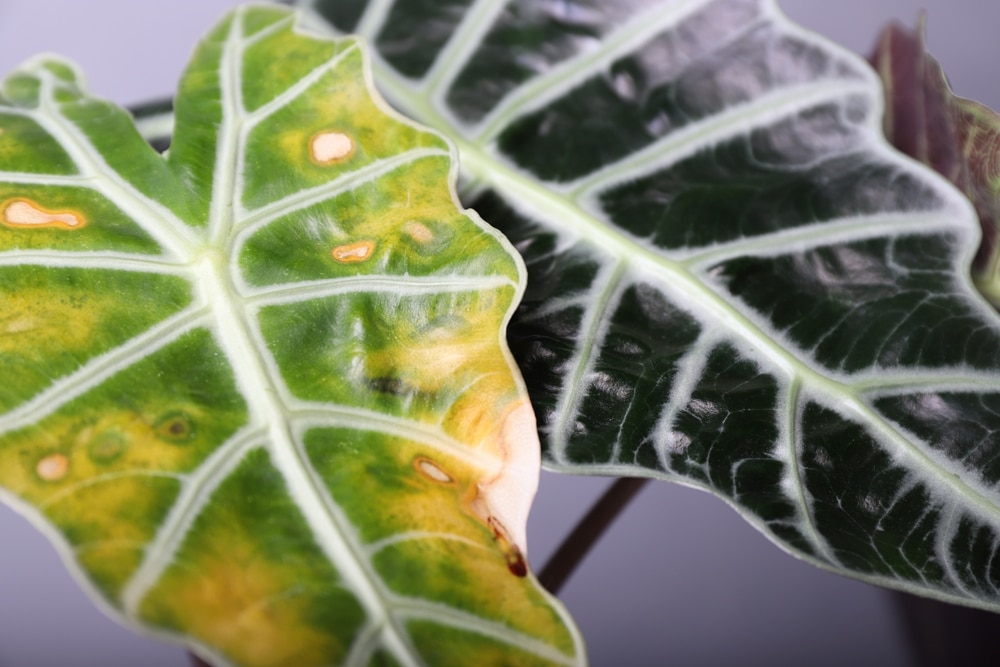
[[588, 531]]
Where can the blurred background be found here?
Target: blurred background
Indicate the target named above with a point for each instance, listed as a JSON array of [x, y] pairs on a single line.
[[680, 579]]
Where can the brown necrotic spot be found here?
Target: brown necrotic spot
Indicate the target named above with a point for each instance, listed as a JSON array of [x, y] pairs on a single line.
[[349, 253], [328, 147], [387, 385], [511, 553], [24, 213], [432, 471], [175, 427], [53, 467]]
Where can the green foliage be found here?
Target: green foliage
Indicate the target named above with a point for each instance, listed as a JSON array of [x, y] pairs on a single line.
[[733, 282], [257, 387]]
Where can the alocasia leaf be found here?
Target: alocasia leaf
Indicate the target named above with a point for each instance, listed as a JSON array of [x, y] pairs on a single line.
[[257, 389], [957, 137], [734, 282]]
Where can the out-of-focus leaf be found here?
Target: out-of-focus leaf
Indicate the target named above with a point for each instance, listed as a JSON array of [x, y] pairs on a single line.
[[958, 137], [257, 390], [734, 282]]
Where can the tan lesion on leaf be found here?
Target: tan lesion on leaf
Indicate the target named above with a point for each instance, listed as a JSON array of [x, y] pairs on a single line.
[[351, 253], [24, 213], [432, 471], [329, 147], [70, 453], [52, 467], [419, 232]]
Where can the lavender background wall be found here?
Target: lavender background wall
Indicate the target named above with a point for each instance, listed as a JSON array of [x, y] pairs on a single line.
[[680, 579]]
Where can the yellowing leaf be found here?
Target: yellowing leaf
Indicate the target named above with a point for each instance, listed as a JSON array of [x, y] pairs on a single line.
[[257, 387]]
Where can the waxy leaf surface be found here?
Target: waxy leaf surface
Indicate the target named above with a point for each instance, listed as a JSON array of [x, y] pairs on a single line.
[[257, 389], [733, 282]]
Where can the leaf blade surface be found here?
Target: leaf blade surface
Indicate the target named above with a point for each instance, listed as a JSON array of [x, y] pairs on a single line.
[[733, 282], [219, 350]]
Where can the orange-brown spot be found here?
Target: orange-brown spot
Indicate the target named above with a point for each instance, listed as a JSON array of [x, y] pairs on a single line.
[[53, 467], [419, 232], [511, 553], [358, 251], [24, 213], [432, 471], [329, 147]]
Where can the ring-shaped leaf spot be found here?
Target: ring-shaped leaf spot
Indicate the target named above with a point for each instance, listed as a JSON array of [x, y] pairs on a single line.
[[221, 364]]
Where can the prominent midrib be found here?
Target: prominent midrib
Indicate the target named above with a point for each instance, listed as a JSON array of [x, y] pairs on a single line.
[[560, 212], [263, 392]]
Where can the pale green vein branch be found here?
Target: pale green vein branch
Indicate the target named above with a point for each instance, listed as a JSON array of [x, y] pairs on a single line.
[[227, 154], [742, 119], [196, 492], [467, 37], [889, 225], [260, 382], [105, 260], [373, 19], [364, 646], [23, 178], [709, 306], [944, 533], [593, 329], [334, 532], [556, 81], [689, 370], [883, 382], [320, 415], [350, 181], [397, 285], [100, 369], [419, 609], [172, 233], [790, 429], [101, 479], [293, 92], [943, 476]]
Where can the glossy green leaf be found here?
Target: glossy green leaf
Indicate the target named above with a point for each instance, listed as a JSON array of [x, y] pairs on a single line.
[[257, 389], [733, 282]]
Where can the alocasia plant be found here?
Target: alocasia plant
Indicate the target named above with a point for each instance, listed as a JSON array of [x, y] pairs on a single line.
[[732, 283], [259, 385]]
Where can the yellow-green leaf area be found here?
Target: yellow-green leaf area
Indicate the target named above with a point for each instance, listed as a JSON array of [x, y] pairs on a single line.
[[428, 538], [444, 646], [106, 466], [181, 332], [270, 32], [21, 90], [25, 147], [53, 321], [75, 119], [110, 546], [401, 225], [419, 356], [333, 130], [250, 580]]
